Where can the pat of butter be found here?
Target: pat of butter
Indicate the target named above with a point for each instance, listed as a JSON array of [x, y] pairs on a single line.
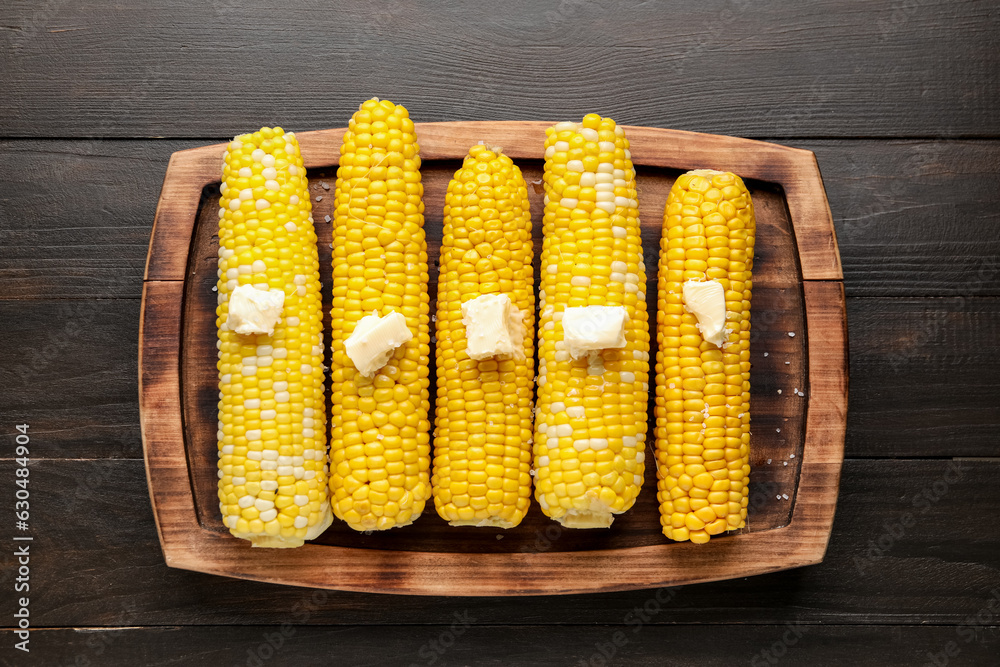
[[706, 300], [592, 328], [493, 327], [254, 311], [374, 340]]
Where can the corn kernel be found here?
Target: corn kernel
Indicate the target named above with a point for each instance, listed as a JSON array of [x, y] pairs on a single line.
[[271, 385], [591, 425], [380, 264], [702, 392]]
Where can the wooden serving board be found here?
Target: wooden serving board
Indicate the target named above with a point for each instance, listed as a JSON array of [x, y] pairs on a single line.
[[797, 445]]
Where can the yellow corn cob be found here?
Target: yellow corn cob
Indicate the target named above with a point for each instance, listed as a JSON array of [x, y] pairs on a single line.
[[272, 446], [702, 391], [482, 440], [380, 434], [591, 416]]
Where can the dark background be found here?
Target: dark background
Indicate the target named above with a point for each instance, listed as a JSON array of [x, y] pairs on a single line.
[[900, 102]]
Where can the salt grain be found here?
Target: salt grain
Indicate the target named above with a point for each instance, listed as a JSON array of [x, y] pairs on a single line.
[[791, 334], [785, 496], [769, 462], [326, 218], [319, 198], [765, 354], [324, 185], [779, 391], [792, 456]]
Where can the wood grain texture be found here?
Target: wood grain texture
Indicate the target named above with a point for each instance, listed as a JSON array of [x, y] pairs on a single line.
[[834, 68], [792, 215], [71, 375], [456, 643], [913, 218], [97, 551], [75, 216], [930, 378], [911, 362]]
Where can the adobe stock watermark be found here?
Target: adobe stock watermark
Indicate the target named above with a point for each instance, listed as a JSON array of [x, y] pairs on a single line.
[[43, 352], [101, 641], [787, 119], [878, 196], [634, 621], [568, 10], [271, 643], [899, 15], [433, 650], [383, 16], [761, 493], [711, 34], [895, 529], [773, 654], [930, 330], [237, 9], [544, 538], [973, 627], [42, 13], [950, 306], [89, 483]]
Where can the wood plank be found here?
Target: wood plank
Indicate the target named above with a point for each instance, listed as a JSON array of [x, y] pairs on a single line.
[[924, 373], [462, 642], [77, 216], [913, 362], [72, 375], [901, 231], [98, 534], [915, 217], [836, 68]]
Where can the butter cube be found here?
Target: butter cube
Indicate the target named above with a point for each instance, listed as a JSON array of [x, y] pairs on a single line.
[[589, 329], [374, 340], [706, 300], [493, 327], [254, 311]]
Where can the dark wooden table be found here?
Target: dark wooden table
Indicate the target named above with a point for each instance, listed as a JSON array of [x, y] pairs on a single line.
[[899, 100]]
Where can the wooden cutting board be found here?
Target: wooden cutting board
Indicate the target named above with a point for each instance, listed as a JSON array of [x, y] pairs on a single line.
[[798, 395]]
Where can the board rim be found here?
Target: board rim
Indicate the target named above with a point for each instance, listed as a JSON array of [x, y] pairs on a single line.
[[188, 545]]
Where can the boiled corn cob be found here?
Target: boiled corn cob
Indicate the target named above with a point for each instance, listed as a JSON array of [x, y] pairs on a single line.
[[482, 439], [702, 390], [591, 417], [272, 445], [380, 434]]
